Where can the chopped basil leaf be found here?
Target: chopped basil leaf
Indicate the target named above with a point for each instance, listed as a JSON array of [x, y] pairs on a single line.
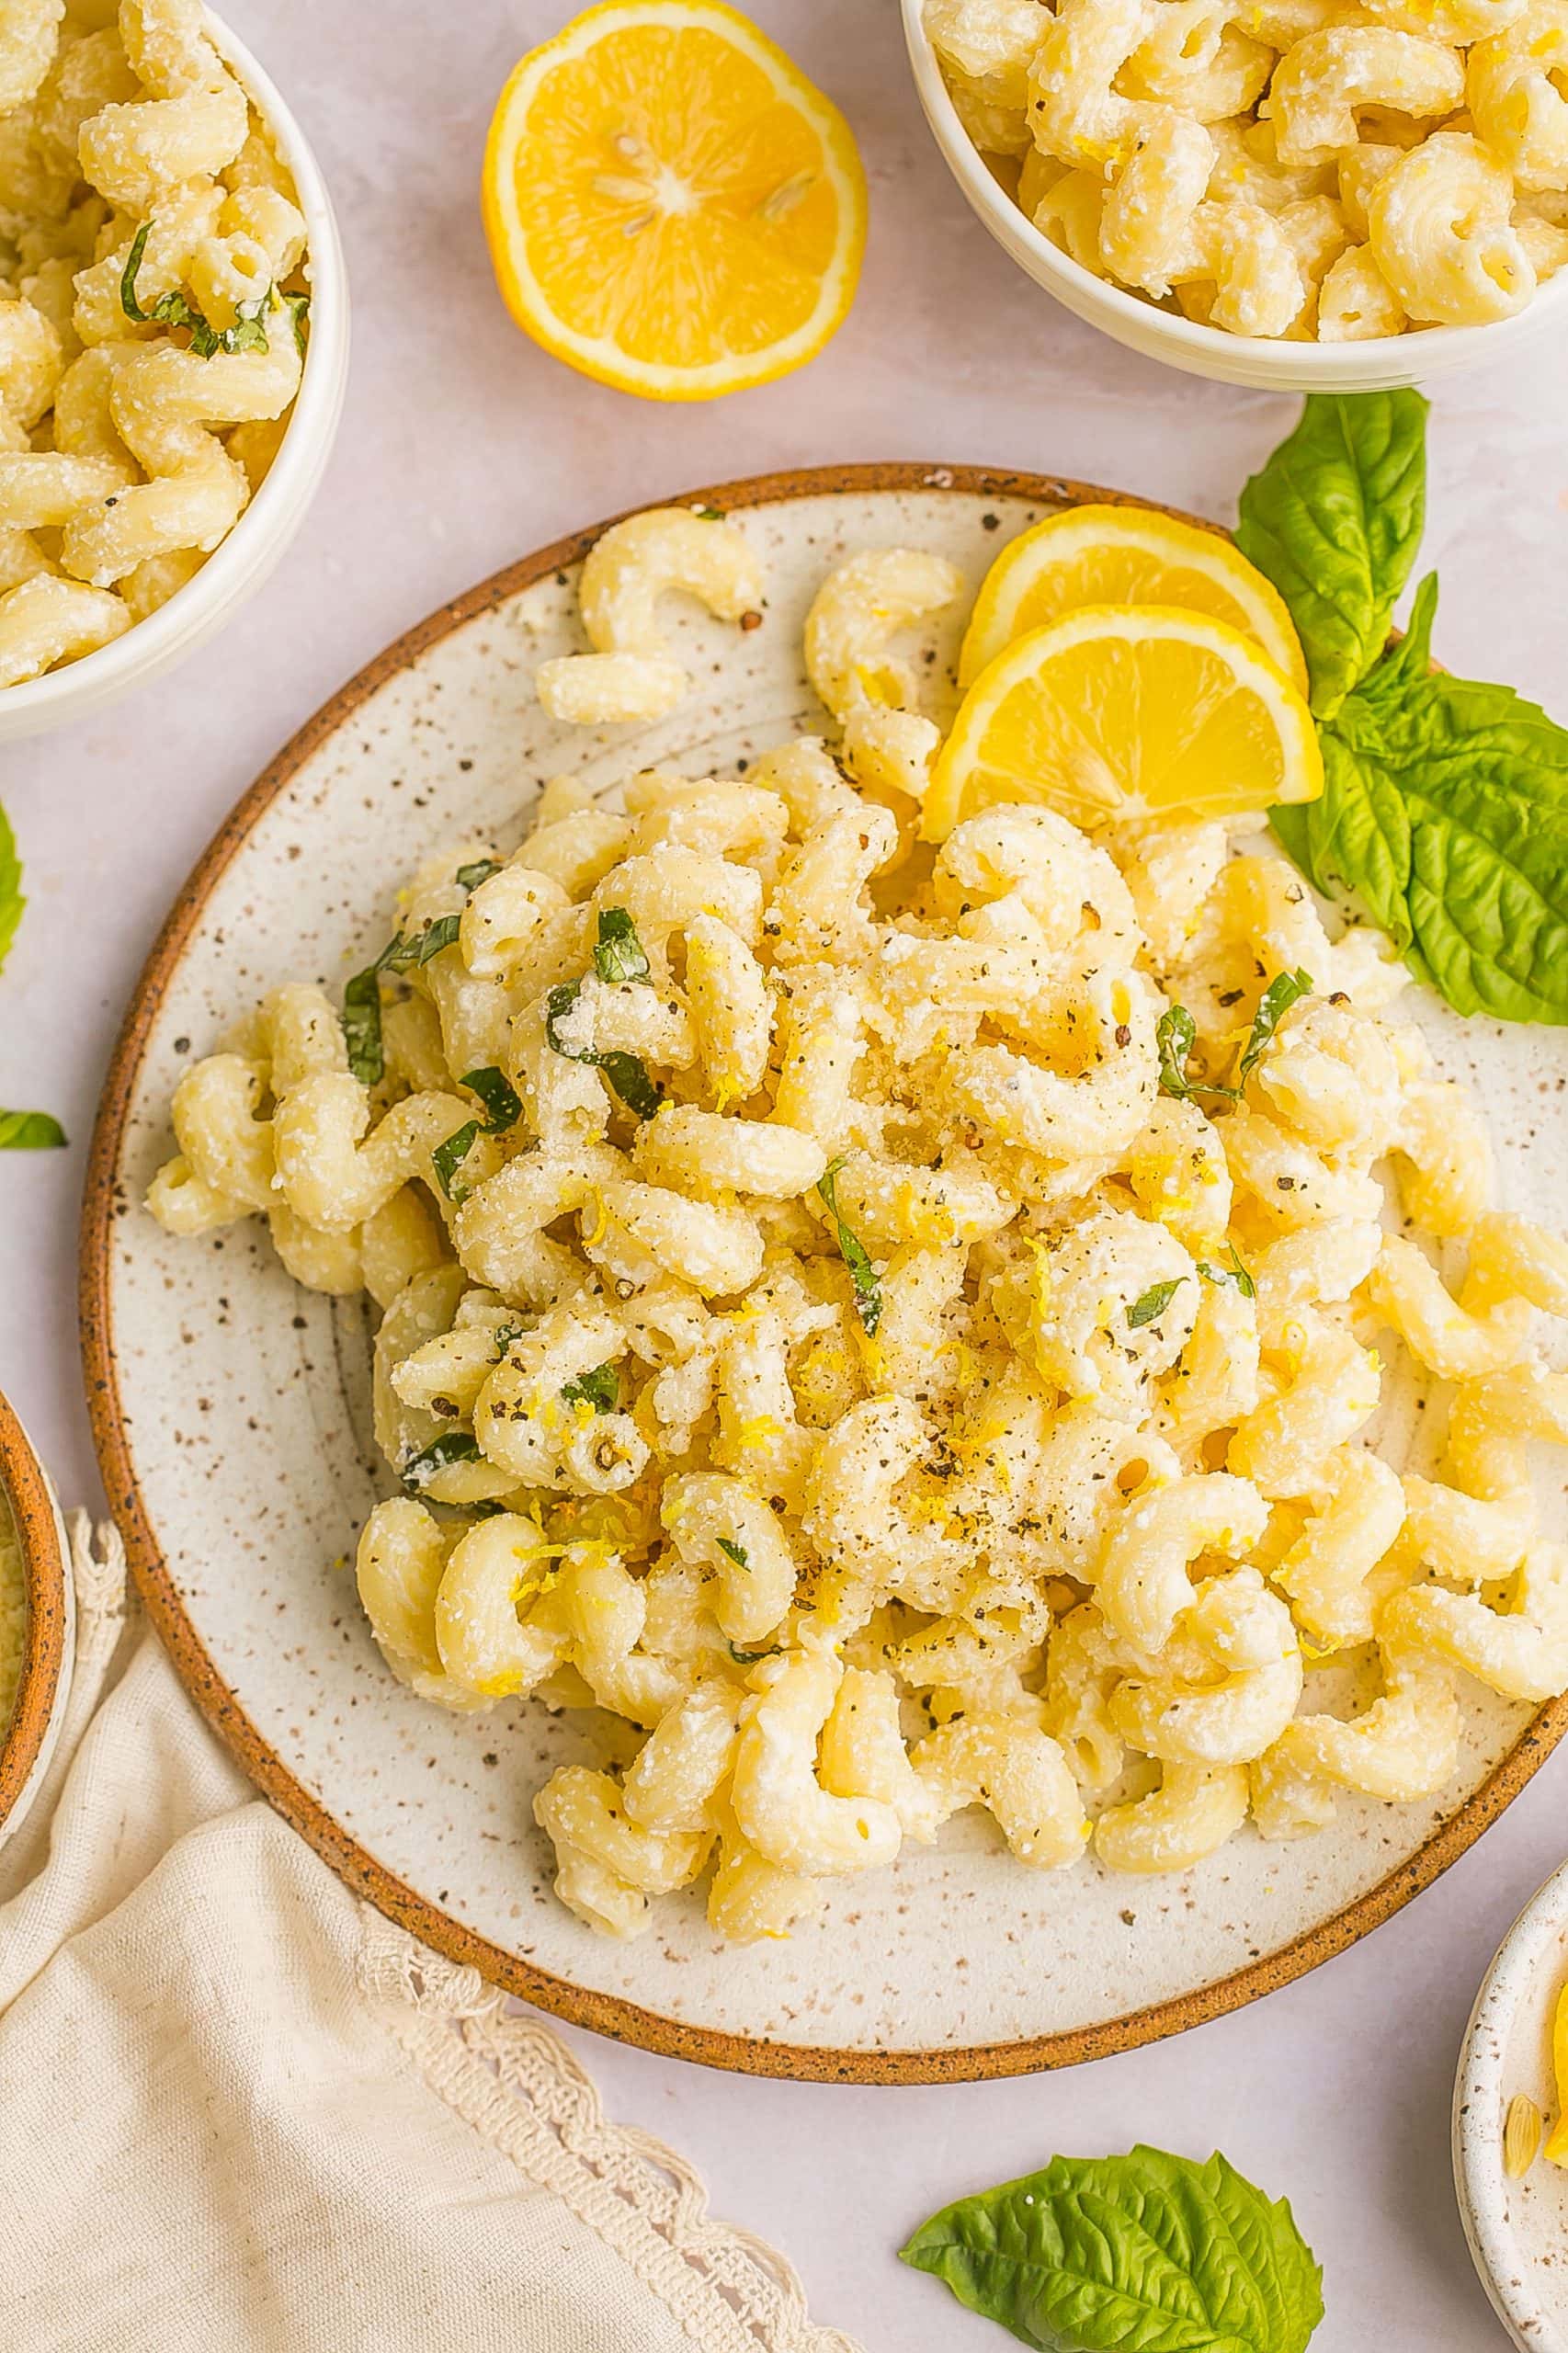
[[1276, 1001], [499, 1098], [441, 933], [362, 995], [627, 1074], [11, 901], [618, 955], [448, 1157], [503, 1335], [1151, 1305], [248, 332], [1234, 1273], [749, 1658], [862, 1273], [1175, 1034], [298, 309], [29, 1131], [470, 876], [600, 1389], [733, 1551], [453, 1446]]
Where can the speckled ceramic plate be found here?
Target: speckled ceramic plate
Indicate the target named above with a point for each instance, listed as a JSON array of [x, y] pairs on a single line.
[[1518, 2230], [232, 1423]]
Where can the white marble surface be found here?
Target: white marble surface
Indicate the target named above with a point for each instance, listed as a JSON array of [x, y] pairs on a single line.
[[463, 446]]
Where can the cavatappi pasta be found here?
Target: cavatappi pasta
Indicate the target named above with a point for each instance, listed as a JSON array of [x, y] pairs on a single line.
[[152, 316], [840, 1319]]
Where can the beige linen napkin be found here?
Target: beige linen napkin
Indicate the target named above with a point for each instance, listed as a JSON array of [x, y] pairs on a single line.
[[242, 2113]]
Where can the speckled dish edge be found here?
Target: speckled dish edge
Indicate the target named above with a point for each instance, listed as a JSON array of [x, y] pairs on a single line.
[[607, 2014], [45, 1685], [1530, 2300]]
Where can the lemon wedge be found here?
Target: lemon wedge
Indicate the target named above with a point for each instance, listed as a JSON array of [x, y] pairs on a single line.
[[1125, 555], [671, 206], [1124, 712]]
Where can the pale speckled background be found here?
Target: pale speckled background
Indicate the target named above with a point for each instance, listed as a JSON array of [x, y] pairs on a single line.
[[461, 448]]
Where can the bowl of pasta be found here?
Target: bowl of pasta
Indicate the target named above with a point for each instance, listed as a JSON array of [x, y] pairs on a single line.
[[173, 348], [830, 1448], [1296, 197], [37, 1621]]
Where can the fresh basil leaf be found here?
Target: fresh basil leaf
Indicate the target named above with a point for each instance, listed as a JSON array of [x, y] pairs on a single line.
[[470, 876], [298, 309], [733, 1551], [1278, 998], [627, 1074], [501, 1102], [862, 1273], [600, 1389], [29, 1131], [1144, 2254], [441, 933], [1234, 1273], [1334, 519], [1447, 817], [453, 1446], [128, 297], [448, 1159], [503, 1335], [362, 1015], [1175, 1034], [618, 955], [248, 332], [11, 899], [749, 1658], [1151, 1305]]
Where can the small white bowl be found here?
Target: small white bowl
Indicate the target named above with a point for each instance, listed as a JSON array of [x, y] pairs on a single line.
[[245, 557], [1518, 2230], [1274, 366], [50, 1644]]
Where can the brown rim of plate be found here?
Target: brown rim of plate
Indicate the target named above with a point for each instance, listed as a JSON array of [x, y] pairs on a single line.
[[25, 1489], [604, 2013]]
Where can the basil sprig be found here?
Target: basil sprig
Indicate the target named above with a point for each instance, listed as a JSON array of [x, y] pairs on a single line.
[[504, 1109], [248, 332], [19, 1130], [1234, 1273], [1147, 2253], [618, 956], [600, 1389], [362, 995], [1444, 811], [470, 876], [453, 1446], [733, 1551], [863, 1279]]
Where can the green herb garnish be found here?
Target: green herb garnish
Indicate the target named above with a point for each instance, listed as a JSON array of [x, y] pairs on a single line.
[[1144, 2254], [1151, 1305], [600, 1389], [362, 995], [504, 1108], [1278, 998], [298, 309], [29, 1131], [749, 1658], [733, 1551], [627, 1074], [248, 332], [618, 955], [448, 1157], [453, 1446], [862, 1273], [1234, 1273], [1176, 1036], [470, 876], [1445, 803]]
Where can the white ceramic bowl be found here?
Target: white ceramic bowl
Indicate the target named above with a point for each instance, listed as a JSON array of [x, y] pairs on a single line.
[[26, 1743], [1518, 2230], [275, 513], [1185, 343]]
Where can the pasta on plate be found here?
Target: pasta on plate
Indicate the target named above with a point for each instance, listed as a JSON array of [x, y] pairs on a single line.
[[152, 316], [897, 1328]]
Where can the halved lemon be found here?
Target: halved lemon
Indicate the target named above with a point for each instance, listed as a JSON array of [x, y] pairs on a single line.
[[1127, 710], [671, 206], [1124, 555]]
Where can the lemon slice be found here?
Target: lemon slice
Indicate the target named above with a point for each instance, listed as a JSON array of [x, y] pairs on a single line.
[[1127, 710], [672, 207], [1125, 555], [1557, 2143]]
